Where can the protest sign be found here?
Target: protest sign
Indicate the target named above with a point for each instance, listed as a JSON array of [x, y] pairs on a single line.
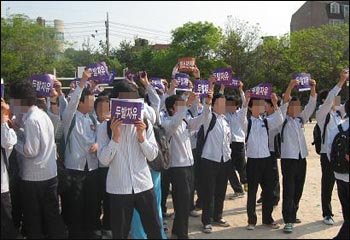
[[157, 83], [263, 91], [129, 110], [99, 72], [201, 87], [304, 81], [223, 76], [43, 83], [186, 64], [184, 81]]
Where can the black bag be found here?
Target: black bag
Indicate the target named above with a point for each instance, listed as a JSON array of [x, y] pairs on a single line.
[[277, 145], [201, 139], [162, 161], [340, 147]]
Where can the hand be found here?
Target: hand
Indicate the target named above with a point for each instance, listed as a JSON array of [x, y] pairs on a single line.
[[140, 127], [174, 84], [191, 99], [165, 83], [247, 97], [212, 81], [293, 83], [85, 77], [58, 86], [344, 75], [210, 97], [313, 83], [53, 95], [105, 117], [240, 86], [222, 88], [5, 111], [115, 127], [196, 73], [144, 81], [274, 100], [93, 148], [175, 70]]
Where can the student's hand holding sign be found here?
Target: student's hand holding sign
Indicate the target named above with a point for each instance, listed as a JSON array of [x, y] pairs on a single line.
[[196, 73], [247, 98], [85, 77], [191, 99], [140, 127], [144, 81], [274, 100], [210, 97], [313, 87], [288, 92], [115, 127], [240, 84]]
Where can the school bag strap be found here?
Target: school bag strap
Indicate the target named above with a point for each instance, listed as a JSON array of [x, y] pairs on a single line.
[[250, 127]]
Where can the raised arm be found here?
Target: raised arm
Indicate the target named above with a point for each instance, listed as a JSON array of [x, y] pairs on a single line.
[[310, 107]]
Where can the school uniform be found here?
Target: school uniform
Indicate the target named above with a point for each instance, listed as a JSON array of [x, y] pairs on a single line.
[[38, 186], [342, 180], [214, 168], [129, 181], [327, 179], [260, 166], [178, 131], [81, 200], [238, 158], [8, 140], [293, 160]]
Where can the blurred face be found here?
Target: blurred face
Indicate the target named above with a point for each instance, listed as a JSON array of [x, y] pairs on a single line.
[[268, 108], [258, 107], [88, 104], [128, 95], [103, 111], [179, 106], [220, 106], [336, 103], [294, 109], [230, 106], [18, 109]]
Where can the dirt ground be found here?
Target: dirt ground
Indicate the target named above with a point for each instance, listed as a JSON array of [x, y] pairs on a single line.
[[310, 210]]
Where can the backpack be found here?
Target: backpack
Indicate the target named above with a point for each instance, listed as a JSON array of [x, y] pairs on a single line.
[[340, 147], [318, 138], [162, 161], [277, 145], [201, 138]]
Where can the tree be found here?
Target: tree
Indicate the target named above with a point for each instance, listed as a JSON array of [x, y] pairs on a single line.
[[26, 48]]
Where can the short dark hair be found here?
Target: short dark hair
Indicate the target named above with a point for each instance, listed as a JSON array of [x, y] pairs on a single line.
[[170, 102], [101, 98], [250, 104], [23, 90], [85, 92], [295, 99], [237, 101], [270, 102], [122, 86], [216, 96]]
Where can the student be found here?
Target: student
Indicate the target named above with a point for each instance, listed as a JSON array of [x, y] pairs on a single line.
[[81, 162], [342, 178], [36, 145], [8, 140], [294, 152], [236, 117], [326, 115], [178, 130], [215, 165], [260, 163], [129, 180]]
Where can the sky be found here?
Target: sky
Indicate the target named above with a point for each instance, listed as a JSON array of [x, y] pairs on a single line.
[[149, 19]]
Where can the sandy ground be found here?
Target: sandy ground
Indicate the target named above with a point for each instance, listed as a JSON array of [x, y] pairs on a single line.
[[310, 210]]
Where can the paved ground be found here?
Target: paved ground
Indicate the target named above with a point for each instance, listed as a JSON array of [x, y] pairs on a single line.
[[310, 211]]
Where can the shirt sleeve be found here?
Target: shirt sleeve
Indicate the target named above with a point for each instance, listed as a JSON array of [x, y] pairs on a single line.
[[171, 124], [275, 120], [8, 136], [195, 123], [72, 106], [153, 98], [149, 147], [30, 147], [325, 108], [309, 108], [107, 148]]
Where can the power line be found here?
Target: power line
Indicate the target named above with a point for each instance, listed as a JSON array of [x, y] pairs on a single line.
[[79, 27], [147, 29], [135, 34], [145, 32]]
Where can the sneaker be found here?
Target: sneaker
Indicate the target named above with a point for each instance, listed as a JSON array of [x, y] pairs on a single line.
[[273, 225], [194, 213], [222, 223], [297, 220], [259, 200], [207, 228], [250, 227], [236, 195], [328, 220], [288, 228]]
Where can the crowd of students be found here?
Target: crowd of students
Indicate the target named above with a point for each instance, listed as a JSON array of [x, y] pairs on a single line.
[[65, 160]]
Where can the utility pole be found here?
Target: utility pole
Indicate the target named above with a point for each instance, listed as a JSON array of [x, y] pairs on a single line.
[[107, 35]]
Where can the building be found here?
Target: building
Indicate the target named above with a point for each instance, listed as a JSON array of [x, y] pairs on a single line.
[[59, 27], [317, 13]]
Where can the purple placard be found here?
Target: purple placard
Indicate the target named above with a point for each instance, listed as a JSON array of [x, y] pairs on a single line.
[[235, 83], [43, 83], [201, 87], [223, 76], [99, 72], [263, 91], [183, 79], [304, 81], [77, 81], [2, 88], [157, 83], [128, 110]]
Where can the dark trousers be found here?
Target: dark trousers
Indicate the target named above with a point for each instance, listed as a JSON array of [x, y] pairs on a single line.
[[327, 185], [165, 185], [214, 184], [276, 188], [8, 230], [294, 172], [81, 203], [181, 179], [104, 206], [195, 182], [16, 202], [238, 163], [41, 209], [343, 194], [260, 171], [122, 208]]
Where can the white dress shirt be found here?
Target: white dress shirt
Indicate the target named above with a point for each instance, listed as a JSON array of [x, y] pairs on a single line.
[[237, 122], [128, 168], [8, 140], [217, 146], [82, 136], [178, 133], [258, 141], [274, 131], [332, 133], [322, 112], [37, 146], [294, 142]]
